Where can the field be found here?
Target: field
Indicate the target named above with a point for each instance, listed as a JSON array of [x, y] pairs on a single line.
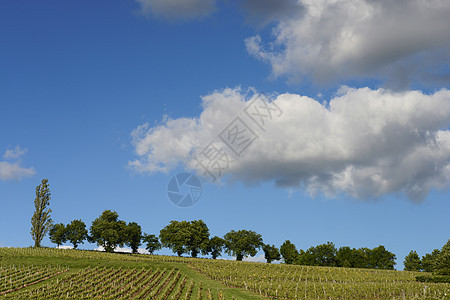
[[27, 273]]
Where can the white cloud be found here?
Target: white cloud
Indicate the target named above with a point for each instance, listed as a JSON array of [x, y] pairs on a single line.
[[257, 258], [336, 40], [364, 143], [13, 170], [124, 249], [178, 9], [15, 153]]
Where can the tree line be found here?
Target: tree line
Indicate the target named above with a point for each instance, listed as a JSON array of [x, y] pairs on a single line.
[[193, 238], [437, 262], [328, 255]]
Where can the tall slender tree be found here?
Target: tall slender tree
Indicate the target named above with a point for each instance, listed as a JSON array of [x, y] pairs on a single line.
[[41, 222]]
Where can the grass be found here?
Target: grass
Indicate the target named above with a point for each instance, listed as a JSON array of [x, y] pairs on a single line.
[[79, 260]]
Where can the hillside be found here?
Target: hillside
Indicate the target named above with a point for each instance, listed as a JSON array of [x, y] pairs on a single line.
[[29, 273]]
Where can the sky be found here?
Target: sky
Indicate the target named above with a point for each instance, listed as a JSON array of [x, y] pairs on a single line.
[[309, 121]]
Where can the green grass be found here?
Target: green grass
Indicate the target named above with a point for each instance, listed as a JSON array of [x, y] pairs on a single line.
[[205, 278], [79, 260]]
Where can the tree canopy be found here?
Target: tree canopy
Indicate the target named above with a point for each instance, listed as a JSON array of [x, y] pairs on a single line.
[[288, 252], [242, 243], [76, 232], [152, 242], [57, 234], [271, 253], [108, 231], [412, 262], [41, 221], [186, 237]]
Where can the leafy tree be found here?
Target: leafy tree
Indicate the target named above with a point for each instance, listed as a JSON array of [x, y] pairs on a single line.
[[76, 232], [288, 252], [41, 221], [442, 264], [380, 258], [108, 231], [198, 238], [133, 236], [57, 234], [215, 246], [324, 255], [320, 255], [242, 243], [429, 260], [412, 262], [344, 257], [152, 242], [175, 236], [186, 237], [271, 253]]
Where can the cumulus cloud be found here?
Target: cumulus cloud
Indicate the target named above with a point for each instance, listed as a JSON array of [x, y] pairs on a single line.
[[365, 143], [337, 40], [14, 153], [177, 9], [10, 169]]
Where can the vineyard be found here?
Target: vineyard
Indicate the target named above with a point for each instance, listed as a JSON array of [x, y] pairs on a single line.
[[27, 273], [305, 282], [15, 277]]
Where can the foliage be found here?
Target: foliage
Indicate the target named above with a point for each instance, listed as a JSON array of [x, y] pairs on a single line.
[[57, 234], [288, 252], [412, 262], [271, 253], [152, 242], [76, 232], [133, 236], [108, 231], [185, 237], [215, 246], [380, 258], [429, 260], [242, 243], [199, 238], [41, 221], [442, 265], [321, 255]]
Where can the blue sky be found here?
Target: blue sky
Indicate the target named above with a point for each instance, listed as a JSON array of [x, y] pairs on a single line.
[[109, 100]]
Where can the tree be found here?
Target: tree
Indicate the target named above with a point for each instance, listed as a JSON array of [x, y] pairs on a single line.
[[76, 232], [199, 238], [186, 237], [429, 260], [320, 255], [108, 231], [152, 242], [288, 252], [271, 253], [41, 221], [174, 236], [57, 234], [215, 246], [352, 258], [242, 243], [380, 258], [344, 257], [442, 264], [412, 262], [133, 236]]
